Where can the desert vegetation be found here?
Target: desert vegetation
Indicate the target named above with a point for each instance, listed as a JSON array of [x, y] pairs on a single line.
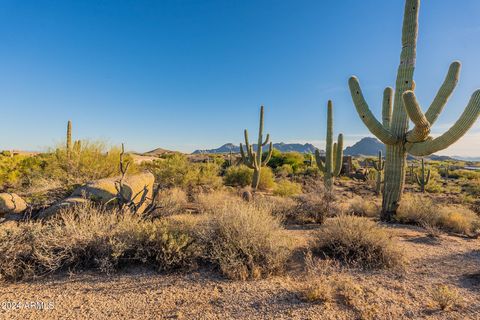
[[371, 238]]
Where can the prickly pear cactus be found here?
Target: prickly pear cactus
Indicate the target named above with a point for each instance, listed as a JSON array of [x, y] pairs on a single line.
[[394, 131]]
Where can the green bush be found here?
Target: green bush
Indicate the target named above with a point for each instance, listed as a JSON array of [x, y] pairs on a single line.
[[93, 161], [176, 171], [242, 176], [294, 159], [267, 179], [238, 176], [284, 171], [286, 188]]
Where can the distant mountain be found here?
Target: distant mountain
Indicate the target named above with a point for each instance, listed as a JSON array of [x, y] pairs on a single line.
[[282, 147], [366, 147], [370, 146], [472, 159], [159, 152]]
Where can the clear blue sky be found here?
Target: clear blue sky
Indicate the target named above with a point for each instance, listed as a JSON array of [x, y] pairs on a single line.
[[192, 74]]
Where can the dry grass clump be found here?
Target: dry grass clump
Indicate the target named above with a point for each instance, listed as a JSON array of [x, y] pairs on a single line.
[[88, 237], [363, 207], [327, 283], [357, 241], [210, 202], [244, 240], [446, 297], [171, 201], [314, 207], [424, 212]]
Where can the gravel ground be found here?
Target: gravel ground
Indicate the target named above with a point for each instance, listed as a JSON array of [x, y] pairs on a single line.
[[143, 294]]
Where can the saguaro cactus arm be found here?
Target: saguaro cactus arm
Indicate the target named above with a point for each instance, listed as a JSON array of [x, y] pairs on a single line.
[[422, 127], [387, 107], [463, 124], [367, 116], [319, 161], [269, 154], [338, 156], [444, 92]]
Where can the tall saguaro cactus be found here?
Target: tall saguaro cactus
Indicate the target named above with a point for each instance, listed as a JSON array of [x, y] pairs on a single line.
[[394, 130], [333, 152], [423, 179], [69, 138], [379, 165], [253, 159]]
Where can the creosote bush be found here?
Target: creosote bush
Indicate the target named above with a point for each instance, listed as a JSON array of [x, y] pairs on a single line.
[[357, 241], [287, 188], [244, 240], [242, 176], [88, 237], [177, 171]]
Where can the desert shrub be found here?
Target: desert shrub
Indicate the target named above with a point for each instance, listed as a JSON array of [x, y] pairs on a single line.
[[286, 188], [88, 237], [177, 171], [267, 179], [424, 212], [445, 297], [294, 159], [280, 207], [94, 161], [312, 171], [244, 241], [314, 206], [363, 207], [170, 201], [284, 171], [357, 241], [211, 202], [238, 176]]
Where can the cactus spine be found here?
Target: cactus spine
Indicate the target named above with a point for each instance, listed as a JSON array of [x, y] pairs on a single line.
[[423, 179], [69, 138], [253, 159], [379, 165], [333, 152], [394, 129]]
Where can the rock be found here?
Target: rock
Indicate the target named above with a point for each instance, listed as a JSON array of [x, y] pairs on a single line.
[[11, 203], [247, 196], [62, 205], [137, 187]]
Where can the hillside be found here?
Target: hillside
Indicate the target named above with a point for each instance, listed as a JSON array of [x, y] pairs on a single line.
[[366, 146]]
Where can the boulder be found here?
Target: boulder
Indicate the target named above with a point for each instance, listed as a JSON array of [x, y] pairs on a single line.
[[62, 205], [136, 187], [11, 203]]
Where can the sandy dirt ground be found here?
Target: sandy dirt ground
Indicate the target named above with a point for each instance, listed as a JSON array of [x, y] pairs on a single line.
[[144, 294]]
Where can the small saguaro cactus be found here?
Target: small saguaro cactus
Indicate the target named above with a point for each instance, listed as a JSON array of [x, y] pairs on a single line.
[[423, 179], [378, 165], [411, 173], [254, 159], [77, 146], [399, 109], [69, 137], [446, 172], [333, 152]]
